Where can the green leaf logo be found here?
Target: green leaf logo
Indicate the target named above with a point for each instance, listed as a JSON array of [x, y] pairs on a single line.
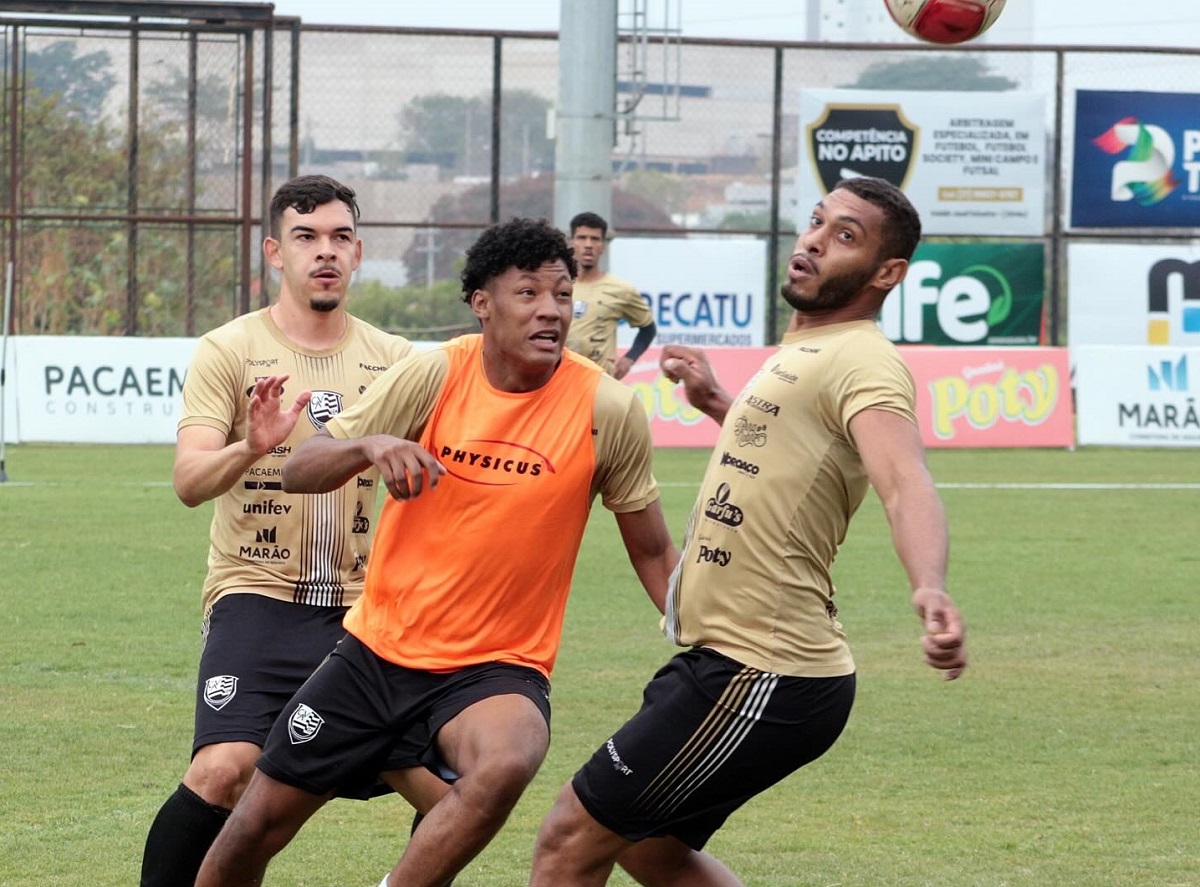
[[1001, 305]]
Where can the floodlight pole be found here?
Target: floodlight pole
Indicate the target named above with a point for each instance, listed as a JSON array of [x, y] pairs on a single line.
[[8, 291], [585, 119]]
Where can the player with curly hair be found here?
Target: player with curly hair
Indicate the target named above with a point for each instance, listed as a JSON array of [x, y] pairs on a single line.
[[492, 448]]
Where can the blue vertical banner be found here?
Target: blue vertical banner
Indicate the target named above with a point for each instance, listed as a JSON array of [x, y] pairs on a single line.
[[1137, 160]]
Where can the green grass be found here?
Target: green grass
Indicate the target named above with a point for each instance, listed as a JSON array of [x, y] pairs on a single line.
[[1065, 757]]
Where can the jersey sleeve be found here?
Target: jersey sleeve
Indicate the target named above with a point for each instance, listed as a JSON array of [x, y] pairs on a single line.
[[875, 380], [624, 449], [211, 387], [399, 402], [634, 308]]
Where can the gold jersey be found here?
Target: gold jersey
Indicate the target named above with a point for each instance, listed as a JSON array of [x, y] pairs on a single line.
[[305, 548], [784, 479], [599, 307]]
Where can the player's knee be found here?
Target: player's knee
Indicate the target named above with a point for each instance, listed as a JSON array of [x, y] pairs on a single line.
[[503, 776], [219, 777]]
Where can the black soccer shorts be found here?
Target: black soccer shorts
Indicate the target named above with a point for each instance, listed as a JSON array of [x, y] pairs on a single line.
[[337, 731], [257, 652], [711, 734]]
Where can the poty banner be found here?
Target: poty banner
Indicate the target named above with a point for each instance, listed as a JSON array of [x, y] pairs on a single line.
[[1136, 160], [702, 292], [1137, 396], [966, 397], [971, 162], [1133, 294], [84, 389], [992, 397], [969, 294]]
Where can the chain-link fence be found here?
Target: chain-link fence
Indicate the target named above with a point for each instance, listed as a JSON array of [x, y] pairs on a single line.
[[138, 157]]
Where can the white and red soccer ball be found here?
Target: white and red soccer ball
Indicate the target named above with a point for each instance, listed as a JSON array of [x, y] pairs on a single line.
[[945, 21]]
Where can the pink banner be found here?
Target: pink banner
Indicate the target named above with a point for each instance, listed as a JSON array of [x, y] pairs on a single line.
[[966, 397]]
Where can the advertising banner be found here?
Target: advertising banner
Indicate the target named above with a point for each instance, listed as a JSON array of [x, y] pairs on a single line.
[[1137, 396], [84, 389], [971, 162], [966, 397], [969, 294], [992, 397], [1136, 163], [1133, 294], [702, 292], [8, 392]]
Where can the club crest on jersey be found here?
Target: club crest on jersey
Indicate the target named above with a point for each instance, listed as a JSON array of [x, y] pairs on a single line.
[[304, 724], [219, 690], [323, 407], [581, 308]]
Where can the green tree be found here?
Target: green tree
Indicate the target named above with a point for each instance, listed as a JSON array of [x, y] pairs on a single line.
[[433, 313], [456, 132], [73, 274], [959, 73], [82, 82]]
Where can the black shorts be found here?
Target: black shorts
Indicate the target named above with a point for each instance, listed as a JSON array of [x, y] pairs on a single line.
[[257, 652], [339, 728], [710, 735]]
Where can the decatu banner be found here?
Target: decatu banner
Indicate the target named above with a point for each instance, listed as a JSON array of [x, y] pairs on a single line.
[[702, 292], [966, 397], [971, 162]]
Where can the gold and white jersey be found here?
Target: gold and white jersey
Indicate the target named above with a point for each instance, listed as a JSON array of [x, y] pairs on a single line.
[[599, 307], [304, 548], [753, 580]]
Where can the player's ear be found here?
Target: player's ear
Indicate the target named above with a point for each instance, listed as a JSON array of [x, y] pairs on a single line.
[[890, 273], [271, 253], [481, 304]]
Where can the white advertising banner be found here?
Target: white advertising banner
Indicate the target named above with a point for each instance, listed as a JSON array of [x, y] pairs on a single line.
[[102, 389], [702, 292], [1133, 294], [1137, 396], [8, 392], [971, 162]]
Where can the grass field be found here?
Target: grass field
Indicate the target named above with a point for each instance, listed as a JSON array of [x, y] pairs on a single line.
[[1067, 756]]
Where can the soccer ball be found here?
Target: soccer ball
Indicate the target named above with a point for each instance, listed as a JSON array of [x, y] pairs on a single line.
[[945, 21]]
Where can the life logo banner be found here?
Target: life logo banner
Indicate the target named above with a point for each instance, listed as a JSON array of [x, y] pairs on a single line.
[[969, 294], [1133, 294], [1136, 162], [966, 397], [971, 162], [1138, 396], [702, 292]]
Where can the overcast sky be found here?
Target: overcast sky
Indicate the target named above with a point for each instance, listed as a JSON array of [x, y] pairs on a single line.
[[1105, 22]]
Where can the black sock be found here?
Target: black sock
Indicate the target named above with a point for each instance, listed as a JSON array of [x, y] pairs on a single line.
[[182, 832]]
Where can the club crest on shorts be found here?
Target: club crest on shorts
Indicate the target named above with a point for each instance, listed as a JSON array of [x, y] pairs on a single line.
[[219, 690], [323, 407], [304, 724]]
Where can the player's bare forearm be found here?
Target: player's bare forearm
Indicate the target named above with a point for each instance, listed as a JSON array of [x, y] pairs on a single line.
[[919, 533], [651, 550], [323, 463], [203, 474]]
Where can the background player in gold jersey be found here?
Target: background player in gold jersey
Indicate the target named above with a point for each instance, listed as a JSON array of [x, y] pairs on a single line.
[[767, 683], [602, 301], [493, 447], [282, 568]]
